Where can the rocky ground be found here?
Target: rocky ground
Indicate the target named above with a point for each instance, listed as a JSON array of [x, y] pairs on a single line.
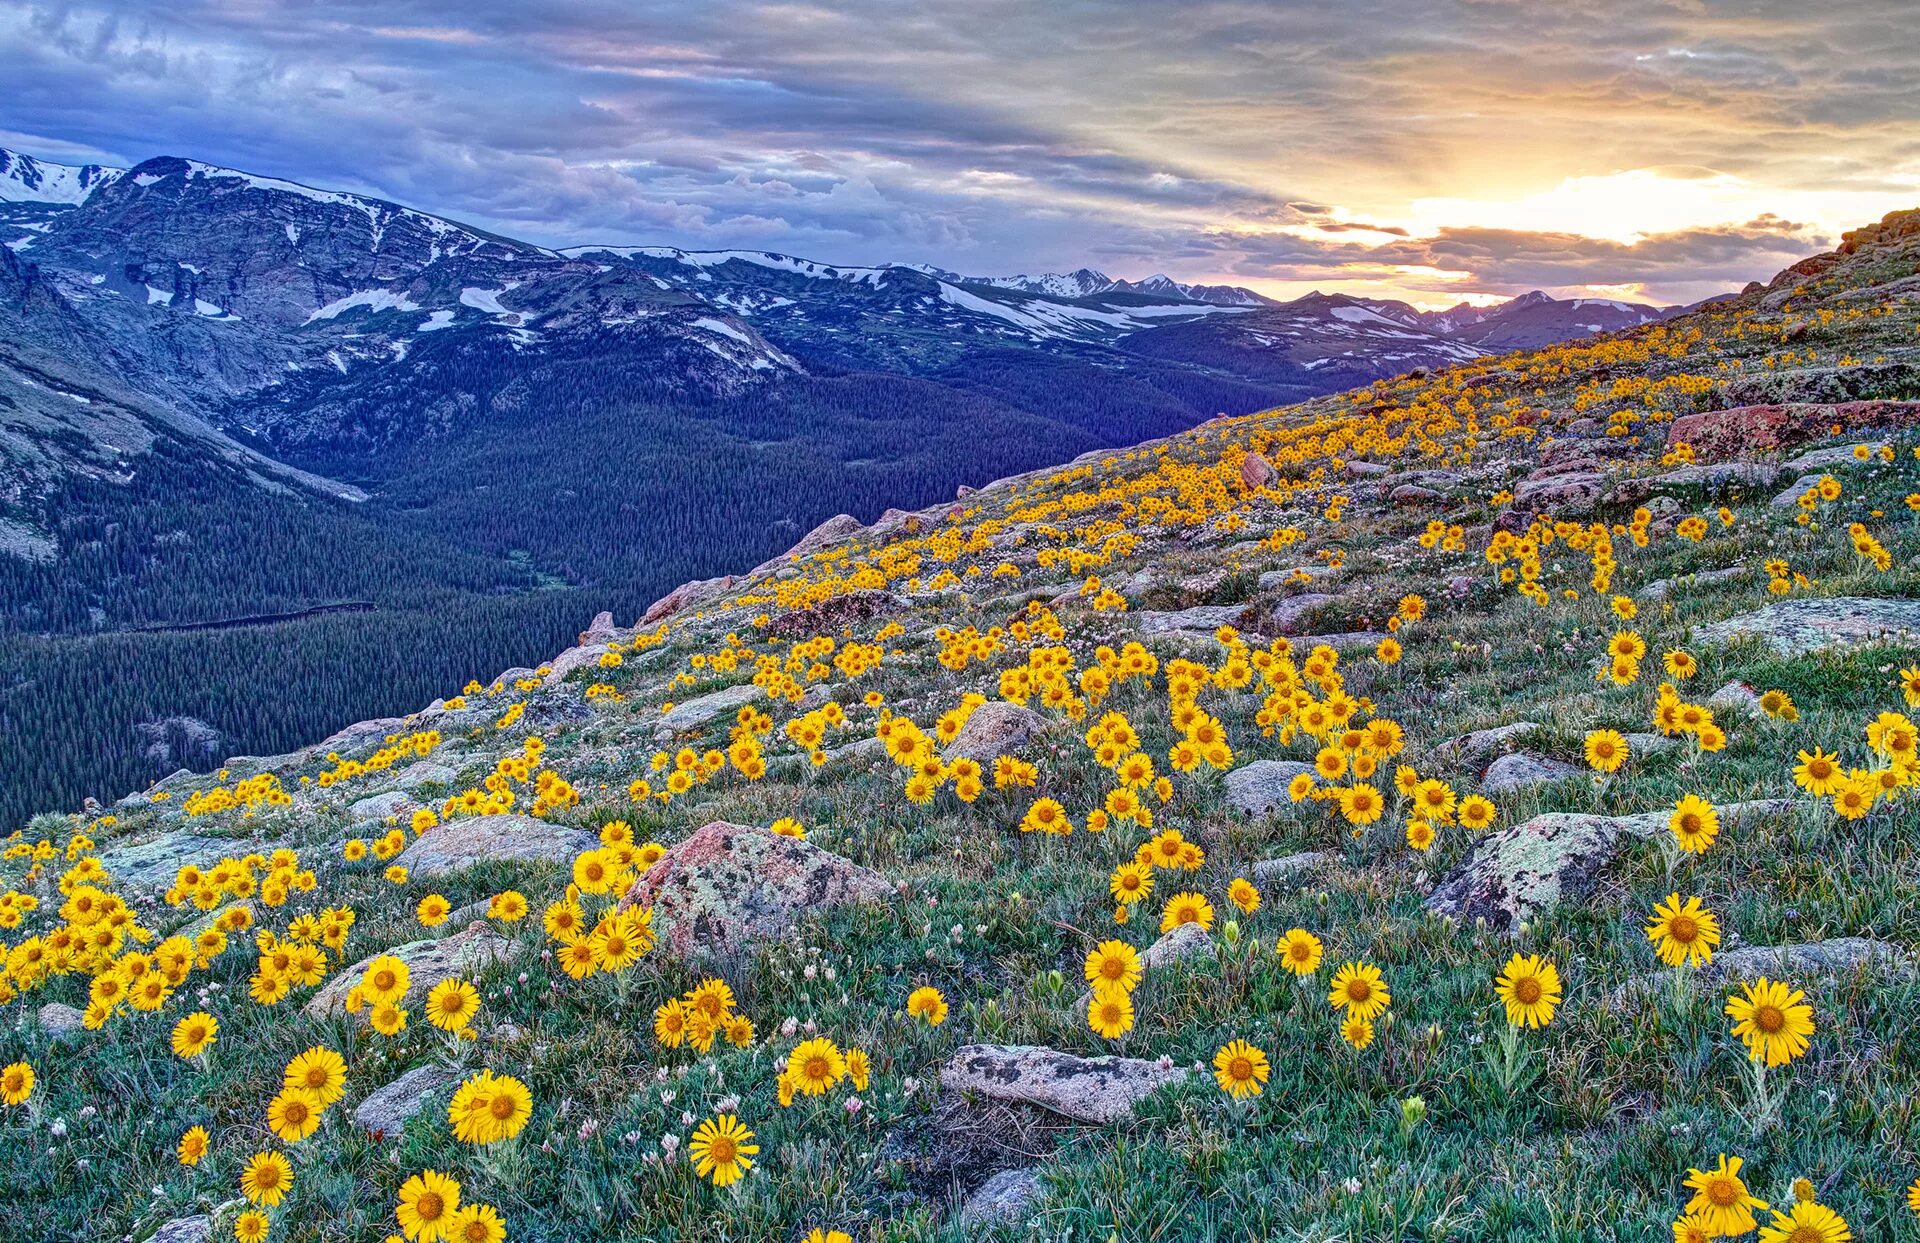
[[842, 778]]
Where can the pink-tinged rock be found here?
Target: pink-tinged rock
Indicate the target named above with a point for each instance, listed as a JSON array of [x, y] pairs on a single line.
[[1255, 473], [684, 596], [731, 884], [1743, 430]]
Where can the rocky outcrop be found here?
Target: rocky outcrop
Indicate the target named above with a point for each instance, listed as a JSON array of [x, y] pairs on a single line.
[[462, 842], [1096, 1090], [1260, 788], [730, 884], [687, 595], [465, 954], [1513, 874], [1201, 619], [994, 729], [834, 614], [1741, 430], [1255, 473], [1289, 616], [1796, 627]]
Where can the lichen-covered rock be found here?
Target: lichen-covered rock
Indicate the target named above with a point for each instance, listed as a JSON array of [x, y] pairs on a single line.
[[703, 710], [153, 864], [466, 840], [385, 1111], [1513, 874], [730, 884], [463, 954], [195, 1229], [1522, 770], [994, 729], [1004, 1198], [1184, 942], [1097, 1090], [1482, 743], [1795, 627], [1260, 788], [834, 614], [1833, 456], [1734, 697], [1798, 963], [380, 806], [424, 773]]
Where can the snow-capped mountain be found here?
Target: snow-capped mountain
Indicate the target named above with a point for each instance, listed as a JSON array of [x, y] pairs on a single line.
[[24, 179]]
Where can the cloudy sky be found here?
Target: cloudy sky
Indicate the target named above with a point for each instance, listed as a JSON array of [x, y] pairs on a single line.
[[1429, 149]]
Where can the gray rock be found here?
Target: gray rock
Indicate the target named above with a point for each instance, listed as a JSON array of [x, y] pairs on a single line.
[[1365, 470], [464, 954], [385, 1111], [1096, 1090], [994, 729], [1201, 619], [62, 1023], [1002, 1199], [695, 713], [1797, 489], [1482, 743], [1289, 615], [1414, 494], [1289, 868], [1184, 942], [1639, 745], [1522, 770], [1830, 457], [152, 864], [380, 806], [1793, 963], [1280, 578], [1796, 627], [424, 773], [1513, 874], [195, 1229], [1260, 788], [1345, 640], [1568, 491], [1661, 588], [1735, 697], [466, 840]]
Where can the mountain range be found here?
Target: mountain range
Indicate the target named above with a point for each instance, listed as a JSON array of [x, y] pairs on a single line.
[[226, 397]]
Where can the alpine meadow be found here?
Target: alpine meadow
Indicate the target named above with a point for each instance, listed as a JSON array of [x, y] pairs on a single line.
[[567, 674]]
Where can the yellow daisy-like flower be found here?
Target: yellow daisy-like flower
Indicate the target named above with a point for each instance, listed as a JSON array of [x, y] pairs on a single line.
[[1691, 1228], [427, 1204], [1358, 989], [1186, 908], [1241, 1070], [1356, 1031], [1607, 750], [1300, 951], [1476, 812], [319, 1073], [1694, 824], [251, 1226], [1110, 1013], [1683, 932], [192, 1146], [452, 1004], [722, 1149], [1530, 987], [293, 1116], [1721, 1199], [475, 1223], [1113, 965], [195, 1034], [267, 1178], [816, 1065], [433, 910], [1772, 1019], [1806, 1222], [926, 1003], [1244, 895]]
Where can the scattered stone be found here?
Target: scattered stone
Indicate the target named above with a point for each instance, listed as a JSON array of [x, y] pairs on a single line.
[[385, 1111], [1641, 745], [1482, 743], [1260, 788], [1567, 492], [1002, 1199], [1289, 615], [729, 884], [1184, 942], [1797, 489], [1513, 874], [834, 614], [1523, 770], [1255, 473], [1796, 627], [1289, 868], [600, 630], [466, 840], [994, 729], [1414, 494], [695, 713], [1345, 640], [1096, 1090], [464, 954], [573, 658], [1365, 470], [1298, 574], [1712, 478], [425, 773], [1793, 963]]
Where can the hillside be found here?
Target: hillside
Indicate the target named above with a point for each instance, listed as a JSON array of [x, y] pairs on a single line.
[[1456, 677]]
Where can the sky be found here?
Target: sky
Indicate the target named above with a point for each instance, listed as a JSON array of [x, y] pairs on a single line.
[[1432, 150]]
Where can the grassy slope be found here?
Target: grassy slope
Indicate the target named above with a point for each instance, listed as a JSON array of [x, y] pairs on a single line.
[[1629, 1095]]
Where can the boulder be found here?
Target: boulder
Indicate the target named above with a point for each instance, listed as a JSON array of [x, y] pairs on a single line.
[[730, 884], [1482, 743], [385, 1111], [1290, 868], [424, 773], [1414, 494], [1255, 473], [695, 713], [1365, 470], [1661, 588], [1735, 697], [1001, 1200], [1260, 788], [466, 840], [380, 806], [1288, 616], [574, 658], [1790, 498], [1514, 874], [834, 614], [1523, 770], [994, 729], [1570, 491], [152, 864], [464, 954], [686, 595], [1640, 746], [1345, 640], [1713, 478], [1097, 1090], [601, 629], [1184, 942], [1796, 627]]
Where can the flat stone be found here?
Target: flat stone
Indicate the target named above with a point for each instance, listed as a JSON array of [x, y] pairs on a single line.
[[695, 713], [1795, 490], [1260, 788], [466, 840], [385, 1111], [1288, 868], [1482, 743], [1796, 627], [464, 954], [1002, 1199], [1735, 697], [153, 864], [1345, 640], [1289, 616], [1414, 494], [1097, 1090], [1366, 470], [730, 884], [994, 729], [1514, 874], [1522, 770]]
